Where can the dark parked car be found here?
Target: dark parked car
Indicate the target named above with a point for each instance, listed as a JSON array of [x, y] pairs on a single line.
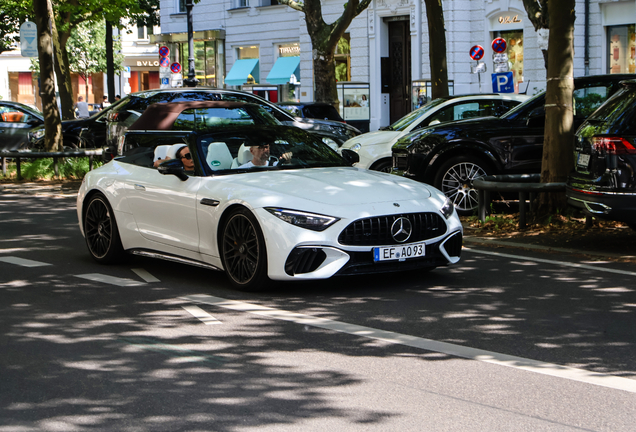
[[130, 108], [78, 133], [451, 155], [17, 121], [315, 110], [603, 183]]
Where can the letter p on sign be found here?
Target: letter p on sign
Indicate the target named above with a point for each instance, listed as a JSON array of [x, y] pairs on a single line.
[[503, 83]]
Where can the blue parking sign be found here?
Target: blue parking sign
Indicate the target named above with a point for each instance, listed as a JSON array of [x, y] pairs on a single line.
[[503, 83], [165, 81]]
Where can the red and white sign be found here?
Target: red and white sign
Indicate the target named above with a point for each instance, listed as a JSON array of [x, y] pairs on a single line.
[[476, 52], [164, 51], [175, 68]]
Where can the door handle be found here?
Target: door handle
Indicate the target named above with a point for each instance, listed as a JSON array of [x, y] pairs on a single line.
[[140, 187]]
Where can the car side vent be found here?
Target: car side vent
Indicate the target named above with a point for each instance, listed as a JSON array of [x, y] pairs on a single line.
[[304, 260], [377, 230], [453, 245]]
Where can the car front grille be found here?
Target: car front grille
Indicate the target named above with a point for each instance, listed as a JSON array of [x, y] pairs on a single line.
[[400, 161], [377, 230]]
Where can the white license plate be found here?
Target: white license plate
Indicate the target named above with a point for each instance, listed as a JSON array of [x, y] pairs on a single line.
[[583, 160], [399, 253]]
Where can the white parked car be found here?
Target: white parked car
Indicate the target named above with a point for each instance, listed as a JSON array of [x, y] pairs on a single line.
[[374, 148], [306, 214]]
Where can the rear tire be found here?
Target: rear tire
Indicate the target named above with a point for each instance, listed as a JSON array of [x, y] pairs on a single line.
[[455, 178], [100, 231], [243, 251]]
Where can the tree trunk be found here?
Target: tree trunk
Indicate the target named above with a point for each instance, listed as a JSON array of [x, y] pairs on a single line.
[[63, 75], [558, 137], [325, 78], [437, 49], [52, 124], [110, 63]]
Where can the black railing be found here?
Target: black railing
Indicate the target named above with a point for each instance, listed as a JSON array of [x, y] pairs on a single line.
[[25, 154], [527, 185]]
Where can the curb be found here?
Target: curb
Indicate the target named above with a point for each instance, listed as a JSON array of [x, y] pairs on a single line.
[[512, 244]]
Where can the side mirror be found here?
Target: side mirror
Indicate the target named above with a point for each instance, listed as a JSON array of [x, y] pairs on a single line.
[[350, 156], [174, 167], [536, 117], [34, 122]]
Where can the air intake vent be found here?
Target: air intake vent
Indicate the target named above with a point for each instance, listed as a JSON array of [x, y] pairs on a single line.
[[377, 230], [304, 260]]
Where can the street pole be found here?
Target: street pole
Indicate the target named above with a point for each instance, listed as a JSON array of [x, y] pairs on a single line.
[[191, 81]]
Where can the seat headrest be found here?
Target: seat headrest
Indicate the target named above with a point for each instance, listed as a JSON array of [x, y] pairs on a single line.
[[172, 151], [219, 156], [161, 152], [244, 155]]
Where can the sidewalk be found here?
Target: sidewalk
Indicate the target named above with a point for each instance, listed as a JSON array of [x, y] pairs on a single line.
[[609, 241]]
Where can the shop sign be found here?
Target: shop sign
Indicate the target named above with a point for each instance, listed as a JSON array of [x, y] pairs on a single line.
[[148, 63], [509, 20], [288, 51]]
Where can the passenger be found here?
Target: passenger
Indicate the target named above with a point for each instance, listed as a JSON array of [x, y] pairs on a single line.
[[186, 157], [260, 157]]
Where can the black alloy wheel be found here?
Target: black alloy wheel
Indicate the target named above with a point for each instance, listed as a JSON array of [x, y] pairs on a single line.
[[100, 230], [455, 179], [384, 165], [243, 251]]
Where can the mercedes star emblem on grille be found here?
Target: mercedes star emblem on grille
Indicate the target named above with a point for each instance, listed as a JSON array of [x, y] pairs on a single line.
[[401, 229]]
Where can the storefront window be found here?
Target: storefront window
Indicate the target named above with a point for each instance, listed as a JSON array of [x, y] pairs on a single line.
[[248, 52], [514, 51], [621, 41]]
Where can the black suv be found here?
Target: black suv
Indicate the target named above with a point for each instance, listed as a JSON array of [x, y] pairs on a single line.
[[451, 155], [130, 108], [603, 183]]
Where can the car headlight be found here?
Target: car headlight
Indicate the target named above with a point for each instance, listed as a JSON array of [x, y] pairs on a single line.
[[331, 143], [326, 128], [356, 147], [447, 209], [311, 221], [37, 134]]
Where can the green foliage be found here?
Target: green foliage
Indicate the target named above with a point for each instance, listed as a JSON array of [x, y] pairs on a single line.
[[12, 14], [87, 49], [43, 169]]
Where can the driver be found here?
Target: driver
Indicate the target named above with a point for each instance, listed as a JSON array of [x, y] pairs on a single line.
[[260, 157]]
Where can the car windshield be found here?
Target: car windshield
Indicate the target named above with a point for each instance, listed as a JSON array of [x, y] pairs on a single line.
[[240, 150], [405, 121], [522, 107]]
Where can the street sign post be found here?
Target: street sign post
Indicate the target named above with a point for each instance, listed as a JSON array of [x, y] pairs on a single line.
[[499, 45], [164, 51], [476, 52], [28, 39], [503, 83], [175, 68]]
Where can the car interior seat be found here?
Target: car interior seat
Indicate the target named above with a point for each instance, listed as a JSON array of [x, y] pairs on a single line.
[[244, 156], [219, 156], [172, 150], [12, 117], [160, 152]]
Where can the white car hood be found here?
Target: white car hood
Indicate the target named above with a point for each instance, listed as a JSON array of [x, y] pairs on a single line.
[[331, 186], [371, 138]]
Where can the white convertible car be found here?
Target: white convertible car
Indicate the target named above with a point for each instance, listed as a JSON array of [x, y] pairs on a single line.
[[305, 214]]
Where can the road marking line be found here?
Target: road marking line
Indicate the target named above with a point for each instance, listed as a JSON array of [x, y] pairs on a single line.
[[23, 262], [515, 362], [202, 315], [96, 277], [145, 275], [561, 263]]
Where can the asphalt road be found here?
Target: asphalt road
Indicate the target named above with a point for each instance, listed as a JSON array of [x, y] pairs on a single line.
[[507, 340]]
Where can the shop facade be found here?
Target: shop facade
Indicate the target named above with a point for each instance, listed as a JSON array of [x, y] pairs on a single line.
[[387, 47]]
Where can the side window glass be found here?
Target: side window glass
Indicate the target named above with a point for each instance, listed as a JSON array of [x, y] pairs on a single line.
[[14, 115], [466, 111], [587, 100]]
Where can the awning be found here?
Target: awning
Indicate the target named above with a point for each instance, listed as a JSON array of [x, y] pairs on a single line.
[[283, 69], [241, 69]]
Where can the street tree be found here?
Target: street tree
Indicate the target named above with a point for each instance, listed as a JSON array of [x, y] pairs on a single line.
[[12, 15], [324, 40], [87, 50], [437, 50], [558, 136], [43, 12], [539, 16]]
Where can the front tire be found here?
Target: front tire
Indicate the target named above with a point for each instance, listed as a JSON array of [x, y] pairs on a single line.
[[243, 251], [455, 178], [384, 165], [100, 231]]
